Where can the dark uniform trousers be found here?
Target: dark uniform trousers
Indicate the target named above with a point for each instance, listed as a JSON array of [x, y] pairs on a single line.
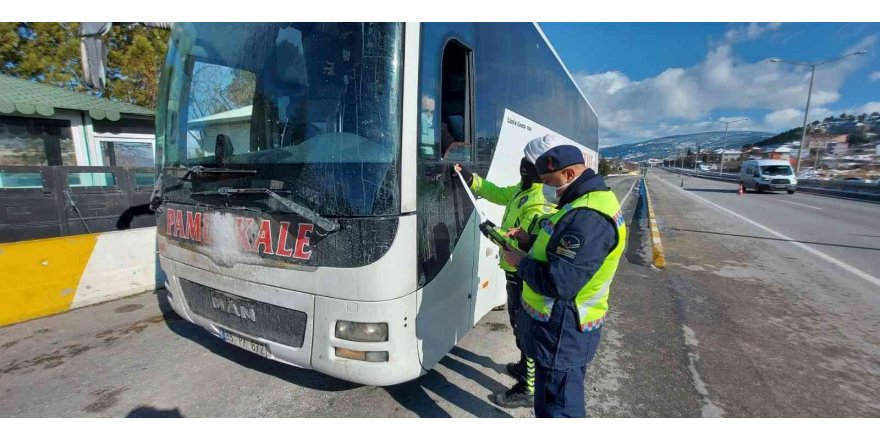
[[560, 392], [514, 305], [561, 353]]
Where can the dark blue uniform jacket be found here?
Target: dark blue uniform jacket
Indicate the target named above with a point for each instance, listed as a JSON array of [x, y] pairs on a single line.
[[558, 343]]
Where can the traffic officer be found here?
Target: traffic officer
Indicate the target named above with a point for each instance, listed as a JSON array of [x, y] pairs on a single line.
[[567, 274], [524, 205]]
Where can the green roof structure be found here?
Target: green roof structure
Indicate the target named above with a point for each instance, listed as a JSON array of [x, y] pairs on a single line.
[[28, 97]]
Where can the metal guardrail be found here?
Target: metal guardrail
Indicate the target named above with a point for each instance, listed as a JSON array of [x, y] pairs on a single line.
[[847, 190]]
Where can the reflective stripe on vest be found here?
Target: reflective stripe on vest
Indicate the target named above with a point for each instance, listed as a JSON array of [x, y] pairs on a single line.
[[591, 300]]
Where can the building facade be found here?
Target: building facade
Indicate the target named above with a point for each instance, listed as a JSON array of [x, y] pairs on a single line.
[[43, 125]]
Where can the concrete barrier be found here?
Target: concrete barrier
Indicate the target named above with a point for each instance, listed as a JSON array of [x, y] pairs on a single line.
[[659, 258], [45, 277]]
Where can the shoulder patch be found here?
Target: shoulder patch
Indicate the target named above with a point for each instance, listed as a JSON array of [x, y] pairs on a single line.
[[523, 200], [618, 218], [569, 245]]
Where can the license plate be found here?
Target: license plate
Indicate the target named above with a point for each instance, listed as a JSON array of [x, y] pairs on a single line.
[[245, 343]]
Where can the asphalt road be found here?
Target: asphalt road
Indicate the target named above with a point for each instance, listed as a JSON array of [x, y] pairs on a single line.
[[779, 294], [741, 323]]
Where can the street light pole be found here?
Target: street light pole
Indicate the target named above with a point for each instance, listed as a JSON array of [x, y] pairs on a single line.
[[724, 145], [723, 149], [809, 94], [797, 167]]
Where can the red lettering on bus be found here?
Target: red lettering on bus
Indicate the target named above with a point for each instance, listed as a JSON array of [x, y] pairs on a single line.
[[264, 238], [283, 250], [194, 225], [302, 240], [178, 225], [169, 218]]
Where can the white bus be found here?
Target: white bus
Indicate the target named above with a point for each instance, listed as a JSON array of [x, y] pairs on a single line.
[[307, 209]]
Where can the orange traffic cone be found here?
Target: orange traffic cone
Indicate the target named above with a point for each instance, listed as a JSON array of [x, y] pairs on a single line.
[[740, 192]]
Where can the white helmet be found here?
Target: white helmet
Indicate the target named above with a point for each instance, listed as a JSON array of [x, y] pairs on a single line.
[[539, 146]]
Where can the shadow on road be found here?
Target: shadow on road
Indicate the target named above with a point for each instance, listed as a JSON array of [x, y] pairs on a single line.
[[151, 412], [412, 395], [776, 239], [484, 361], [711, 190]]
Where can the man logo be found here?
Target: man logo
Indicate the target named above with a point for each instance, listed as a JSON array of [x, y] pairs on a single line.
[[229, 306]]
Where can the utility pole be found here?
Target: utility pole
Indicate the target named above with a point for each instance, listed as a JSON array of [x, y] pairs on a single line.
[[809, 94], [724, 145]]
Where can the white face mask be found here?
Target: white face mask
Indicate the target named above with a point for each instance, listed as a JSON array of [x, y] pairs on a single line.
[[549, 193], [552, 193], [561, 190]]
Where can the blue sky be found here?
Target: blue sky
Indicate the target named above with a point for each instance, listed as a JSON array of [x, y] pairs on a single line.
[[649, 80]]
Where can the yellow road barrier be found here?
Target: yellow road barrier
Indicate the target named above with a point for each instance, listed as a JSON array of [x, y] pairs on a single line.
[[659, 259]]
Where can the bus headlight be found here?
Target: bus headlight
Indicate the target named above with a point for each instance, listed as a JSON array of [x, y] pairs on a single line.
[[362, 331]]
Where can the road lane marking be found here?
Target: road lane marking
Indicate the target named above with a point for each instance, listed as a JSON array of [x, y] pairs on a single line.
[[623, 202], [690, 340], [800, 204], [857, 272]]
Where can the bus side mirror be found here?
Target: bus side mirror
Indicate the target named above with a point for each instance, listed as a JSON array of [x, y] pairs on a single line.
[[223, 150]]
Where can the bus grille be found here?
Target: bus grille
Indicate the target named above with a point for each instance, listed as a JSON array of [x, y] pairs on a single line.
[[779, 181], [267, 321]]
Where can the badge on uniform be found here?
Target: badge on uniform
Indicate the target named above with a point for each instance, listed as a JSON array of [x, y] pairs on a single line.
[[523, 201], [569, 244]]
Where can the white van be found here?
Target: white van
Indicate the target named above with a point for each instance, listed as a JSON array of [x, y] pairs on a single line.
[[770, 175]]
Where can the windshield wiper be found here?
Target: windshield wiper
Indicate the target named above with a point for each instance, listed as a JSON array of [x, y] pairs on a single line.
[[200, 169], [324, 223]]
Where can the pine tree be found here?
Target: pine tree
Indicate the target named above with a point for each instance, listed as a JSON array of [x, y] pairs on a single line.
[[49, 53], [604, 169]]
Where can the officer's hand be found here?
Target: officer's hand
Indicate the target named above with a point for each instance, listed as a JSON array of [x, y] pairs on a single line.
[[521, 236], [513, 256], [464, 171]]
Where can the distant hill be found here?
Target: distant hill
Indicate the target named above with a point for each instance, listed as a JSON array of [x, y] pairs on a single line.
[[666, 146], [787, 136]]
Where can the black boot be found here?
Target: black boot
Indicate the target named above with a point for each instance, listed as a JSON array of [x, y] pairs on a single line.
[[517, 370], [516, 397]]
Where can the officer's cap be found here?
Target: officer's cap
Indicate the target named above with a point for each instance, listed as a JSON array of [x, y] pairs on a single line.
[[559, 157]]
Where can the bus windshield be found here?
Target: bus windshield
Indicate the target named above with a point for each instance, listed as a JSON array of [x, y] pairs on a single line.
[[309, 110]]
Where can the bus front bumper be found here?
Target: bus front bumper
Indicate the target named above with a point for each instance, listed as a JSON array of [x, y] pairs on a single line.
[[261, 319]]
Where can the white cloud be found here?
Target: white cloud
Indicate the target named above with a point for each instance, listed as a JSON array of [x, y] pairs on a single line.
[[640, 109], [874, 76], [790, 118], [750, 32], [787, 117]]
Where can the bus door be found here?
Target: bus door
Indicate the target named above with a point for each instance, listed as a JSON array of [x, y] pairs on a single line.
[[448, 236]]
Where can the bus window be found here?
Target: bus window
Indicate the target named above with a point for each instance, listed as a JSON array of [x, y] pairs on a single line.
[[455, 107], [445, 105]]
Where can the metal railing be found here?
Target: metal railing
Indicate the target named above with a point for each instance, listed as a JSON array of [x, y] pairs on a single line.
[[832, 188]]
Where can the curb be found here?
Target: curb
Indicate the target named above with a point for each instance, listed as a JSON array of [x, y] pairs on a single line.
[[55, 275], [656, 245]]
